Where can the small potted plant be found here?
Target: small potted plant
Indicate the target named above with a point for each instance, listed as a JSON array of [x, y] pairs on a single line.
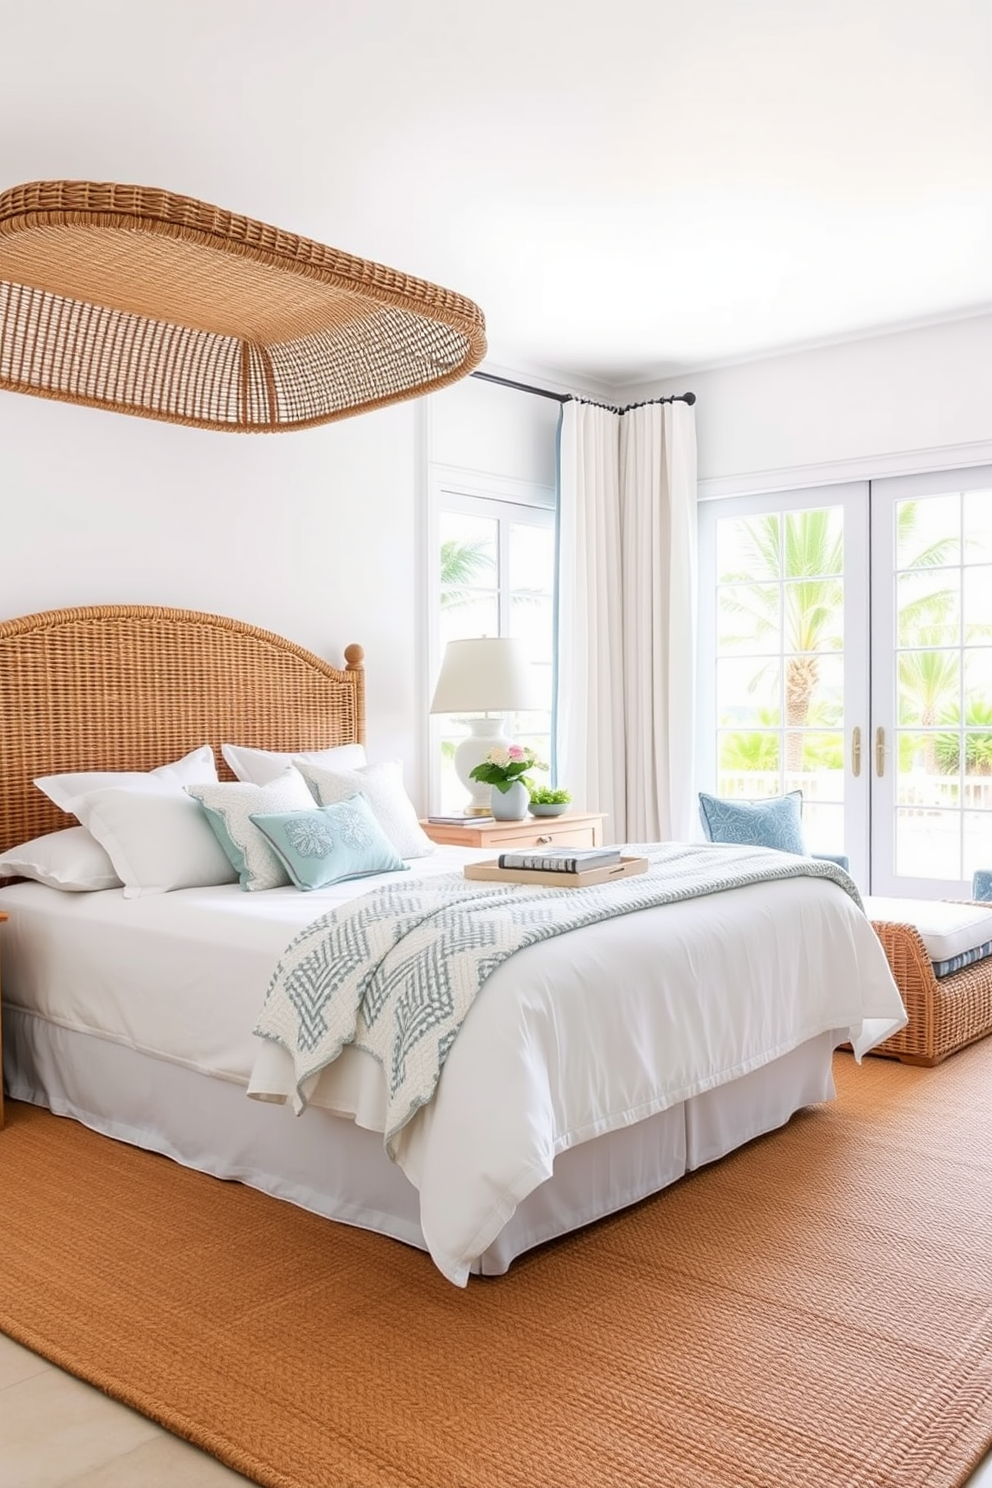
[[547, 802]]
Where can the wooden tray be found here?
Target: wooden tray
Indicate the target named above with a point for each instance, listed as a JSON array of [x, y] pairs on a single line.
[[554, 879]]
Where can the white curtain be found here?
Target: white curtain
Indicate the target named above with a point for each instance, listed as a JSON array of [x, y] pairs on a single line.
[[627, 616]]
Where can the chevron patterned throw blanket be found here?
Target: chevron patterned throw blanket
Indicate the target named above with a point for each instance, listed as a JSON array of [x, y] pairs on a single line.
[[396, 970]]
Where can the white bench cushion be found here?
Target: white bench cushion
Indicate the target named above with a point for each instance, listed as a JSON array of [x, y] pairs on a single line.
[[952, 933]]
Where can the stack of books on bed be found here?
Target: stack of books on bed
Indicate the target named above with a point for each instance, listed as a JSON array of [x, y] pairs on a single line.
[[561, 859]]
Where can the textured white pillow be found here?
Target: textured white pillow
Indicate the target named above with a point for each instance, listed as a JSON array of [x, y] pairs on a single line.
[[229, 807], [382, 786], [71, 859], [262, 766], [195, 768], [157, 838]]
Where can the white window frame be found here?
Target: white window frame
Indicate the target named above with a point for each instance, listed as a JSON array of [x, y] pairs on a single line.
[[498, 498]]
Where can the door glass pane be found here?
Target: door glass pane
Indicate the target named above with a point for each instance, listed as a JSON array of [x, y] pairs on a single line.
[[780, 662], [928, 532], [928, 605], [929, 752], [750, 623], [747, 692], [929, 687], [928, 844]]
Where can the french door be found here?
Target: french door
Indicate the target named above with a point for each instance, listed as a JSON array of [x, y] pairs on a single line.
[[783, 697], [931, 629], [846, 650]]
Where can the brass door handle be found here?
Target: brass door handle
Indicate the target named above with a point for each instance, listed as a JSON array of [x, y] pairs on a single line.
[[856, 752], [880, 752]]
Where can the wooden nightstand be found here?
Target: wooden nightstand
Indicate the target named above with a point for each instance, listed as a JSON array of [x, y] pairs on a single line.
[[2, 918], [576, 829]]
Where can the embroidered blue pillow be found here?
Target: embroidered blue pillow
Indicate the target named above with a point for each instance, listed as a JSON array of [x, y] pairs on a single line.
[[330, 843], [777, 822]]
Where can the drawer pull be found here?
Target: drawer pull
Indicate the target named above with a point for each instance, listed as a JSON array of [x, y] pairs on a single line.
[[546, 838]]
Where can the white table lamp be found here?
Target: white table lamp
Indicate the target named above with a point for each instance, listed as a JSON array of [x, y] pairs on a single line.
[[487, 675]]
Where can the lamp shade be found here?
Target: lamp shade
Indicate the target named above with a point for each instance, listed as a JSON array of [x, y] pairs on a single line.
[[487, 674]]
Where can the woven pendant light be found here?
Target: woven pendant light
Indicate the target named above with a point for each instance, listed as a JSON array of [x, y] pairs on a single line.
[[137, 300]]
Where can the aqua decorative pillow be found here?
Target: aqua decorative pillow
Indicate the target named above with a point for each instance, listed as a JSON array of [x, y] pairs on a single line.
[[330, 843], [229, 807], [777, 822]]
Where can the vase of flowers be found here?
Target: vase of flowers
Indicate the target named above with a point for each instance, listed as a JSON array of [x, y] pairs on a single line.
[[505, 769]]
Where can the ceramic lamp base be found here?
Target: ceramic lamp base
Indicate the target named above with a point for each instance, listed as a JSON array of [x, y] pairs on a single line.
[[487, 733]]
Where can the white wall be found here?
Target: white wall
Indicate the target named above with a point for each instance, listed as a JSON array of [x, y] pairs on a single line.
[[485, 428], [309, 534], [317, 535], [914, 400]]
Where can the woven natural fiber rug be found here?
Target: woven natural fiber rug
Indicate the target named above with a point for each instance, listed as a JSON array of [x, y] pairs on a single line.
[[814, 1310]]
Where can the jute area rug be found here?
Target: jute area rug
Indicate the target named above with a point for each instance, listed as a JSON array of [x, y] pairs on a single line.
[[814, 1310]]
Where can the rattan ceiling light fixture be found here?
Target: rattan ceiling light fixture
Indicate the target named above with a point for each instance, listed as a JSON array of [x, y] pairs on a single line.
[[144, 302]]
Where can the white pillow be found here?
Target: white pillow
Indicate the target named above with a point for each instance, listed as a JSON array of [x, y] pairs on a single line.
[[71, 859], [229, 807], [382, 786], [262, 766], [196, 768], [158, 839]]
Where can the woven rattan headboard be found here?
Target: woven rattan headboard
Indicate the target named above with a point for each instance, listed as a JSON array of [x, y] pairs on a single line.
[[129, 687]]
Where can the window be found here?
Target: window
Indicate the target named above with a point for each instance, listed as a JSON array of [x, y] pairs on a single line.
[[493, 564]]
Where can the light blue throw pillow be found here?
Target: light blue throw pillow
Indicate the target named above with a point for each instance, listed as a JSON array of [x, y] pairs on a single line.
[[777, 822], [330, 843]]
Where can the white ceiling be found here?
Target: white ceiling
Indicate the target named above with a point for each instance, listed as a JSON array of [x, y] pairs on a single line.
[[630, 189]]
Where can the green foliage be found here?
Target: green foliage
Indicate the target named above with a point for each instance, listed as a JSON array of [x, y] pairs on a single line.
[[461, 564], [543, 795]]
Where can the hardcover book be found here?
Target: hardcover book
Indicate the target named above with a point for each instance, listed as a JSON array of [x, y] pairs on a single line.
[[561, 859]]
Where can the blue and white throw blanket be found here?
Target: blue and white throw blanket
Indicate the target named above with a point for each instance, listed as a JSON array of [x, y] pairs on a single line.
[[396, 970]]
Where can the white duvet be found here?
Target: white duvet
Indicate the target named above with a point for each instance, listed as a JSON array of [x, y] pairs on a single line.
[[568, 1038]]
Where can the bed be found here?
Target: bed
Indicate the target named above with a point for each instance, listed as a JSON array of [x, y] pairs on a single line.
[[553, 1109]]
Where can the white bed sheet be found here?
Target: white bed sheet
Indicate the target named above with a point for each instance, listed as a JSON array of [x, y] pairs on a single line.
[[561, 1046]]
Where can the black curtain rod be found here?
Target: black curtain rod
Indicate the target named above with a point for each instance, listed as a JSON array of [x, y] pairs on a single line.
[[526, 387], [522, 387]]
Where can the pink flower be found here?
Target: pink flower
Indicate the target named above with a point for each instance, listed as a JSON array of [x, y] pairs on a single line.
[[515, 752]]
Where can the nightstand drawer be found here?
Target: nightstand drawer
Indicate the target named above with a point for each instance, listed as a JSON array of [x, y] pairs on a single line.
[[548, 835], [574, 829]]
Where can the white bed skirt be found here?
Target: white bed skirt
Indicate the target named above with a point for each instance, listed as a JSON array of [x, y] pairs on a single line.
[[335, 1168]]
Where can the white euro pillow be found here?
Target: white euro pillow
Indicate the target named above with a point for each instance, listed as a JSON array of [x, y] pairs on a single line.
[[71, 860], [196, 768], [228, 808], [156, 836], [382, 787], [262, 766]]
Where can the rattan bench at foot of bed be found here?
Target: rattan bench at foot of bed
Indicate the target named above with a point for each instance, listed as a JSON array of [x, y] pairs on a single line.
[[945, 1013]]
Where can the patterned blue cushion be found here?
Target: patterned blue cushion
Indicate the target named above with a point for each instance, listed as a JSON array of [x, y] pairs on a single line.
[[777, 822], [330, 843], [963, 958]]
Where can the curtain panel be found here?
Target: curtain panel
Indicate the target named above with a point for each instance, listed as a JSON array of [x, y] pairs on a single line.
[[627, 616]]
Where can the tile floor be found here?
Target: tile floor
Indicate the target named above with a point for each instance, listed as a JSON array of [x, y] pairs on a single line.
[[56, 1432]]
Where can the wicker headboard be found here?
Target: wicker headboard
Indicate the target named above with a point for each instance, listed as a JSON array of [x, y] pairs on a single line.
[[129, 687]]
